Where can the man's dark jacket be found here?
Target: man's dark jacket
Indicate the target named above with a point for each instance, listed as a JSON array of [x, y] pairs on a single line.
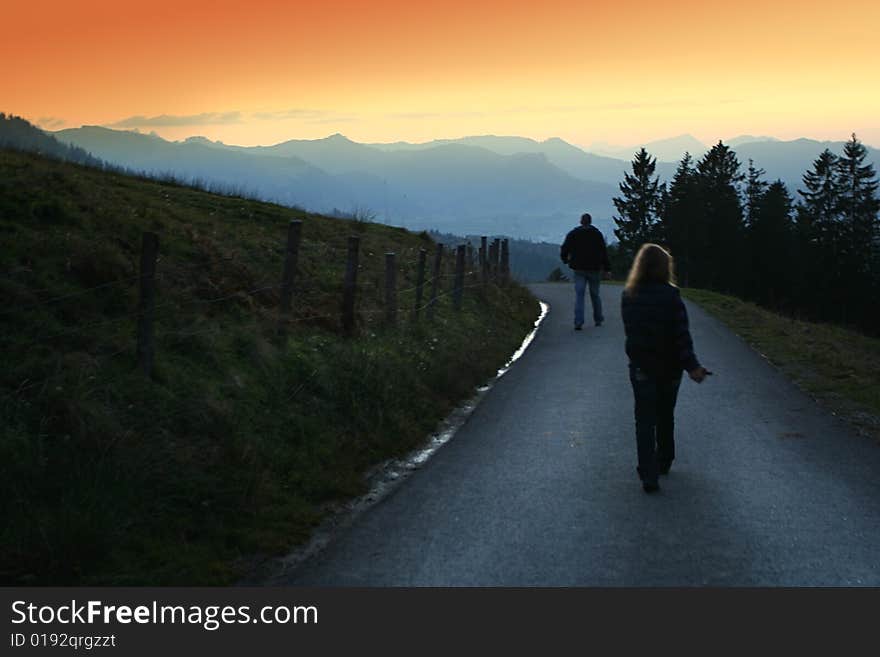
[[584, 250], [658, 340]]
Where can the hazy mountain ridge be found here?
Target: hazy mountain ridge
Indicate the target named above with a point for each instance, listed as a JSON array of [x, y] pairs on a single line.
[[451, 186], [670, 149], [491, 184], [789, 160], [747, 139], [286, 180], [19, 134], [571, 159]]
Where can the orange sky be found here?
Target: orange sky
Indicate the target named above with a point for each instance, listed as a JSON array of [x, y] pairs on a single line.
[[621, 71]]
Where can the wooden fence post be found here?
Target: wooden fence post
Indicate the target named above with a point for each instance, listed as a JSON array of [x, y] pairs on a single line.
[[390, 289], [493, 260], [505, 261], [459, 277], [350, 285], [420, 281], [491, 253], [484, 260], [147, 305], [438, 262], [291, 256]]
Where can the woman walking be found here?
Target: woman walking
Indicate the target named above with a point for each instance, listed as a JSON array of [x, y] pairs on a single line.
[[659, 347]]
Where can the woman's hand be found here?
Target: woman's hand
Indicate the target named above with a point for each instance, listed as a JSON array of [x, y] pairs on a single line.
[[699, 374]]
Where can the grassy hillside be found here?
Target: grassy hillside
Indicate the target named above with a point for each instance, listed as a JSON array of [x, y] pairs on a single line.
[[839, 367], [241, 438]]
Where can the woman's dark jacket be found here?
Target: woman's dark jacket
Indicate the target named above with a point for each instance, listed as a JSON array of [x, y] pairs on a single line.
[[657, 337]]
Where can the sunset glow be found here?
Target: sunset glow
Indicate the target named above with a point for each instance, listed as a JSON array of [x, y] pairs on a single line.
[[620, 71]]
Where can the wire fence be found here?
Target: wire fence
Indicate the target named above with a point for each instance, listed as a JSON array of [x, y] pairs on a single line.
[[169, 322]]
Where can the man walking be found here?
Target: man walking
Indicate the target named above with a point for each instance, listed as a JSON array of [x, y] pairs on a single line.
[[584, 251]]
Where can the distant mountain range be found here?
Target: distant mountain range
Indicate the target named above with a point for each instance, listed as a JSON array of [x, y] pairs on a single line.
[[671, 149], [474, 185], [450, 186], [665, 150]]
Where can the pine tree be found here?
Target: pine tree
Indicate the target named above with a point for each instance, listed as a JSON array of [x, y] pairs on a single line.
[[640, 204], [680, 220], [660, 234], [718, 172], [817, 245], [857, 185], [769, 246], [755, 188], [819, 212]]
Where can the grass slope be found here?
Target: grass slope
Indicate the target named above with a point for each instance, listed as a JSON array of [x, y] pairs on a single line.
[[240, 441], [839, 367]]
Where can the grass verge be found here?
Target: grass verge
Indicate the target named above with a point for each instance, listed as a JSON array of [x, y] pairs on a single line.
[[242, 438], [837, 366]]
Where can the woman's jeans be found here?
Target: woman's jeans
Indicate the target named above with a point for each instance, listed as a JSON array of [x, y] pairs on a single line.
[[655, 399]]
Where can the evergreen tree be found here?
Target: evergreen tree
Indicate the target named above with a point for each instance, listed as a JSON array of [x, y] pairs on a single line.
[[819, 212], [681, 216], [640, 204], [769, 246], [818, 242], [739, 234], [857, 185], [755, 188], [722, 262], [620, 262]]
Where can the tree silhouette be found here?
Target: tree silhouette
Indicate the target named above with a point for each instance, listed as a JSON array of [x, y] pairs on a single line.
[[857, 186], [738, 234], [769, 246], [818, 235], [755, 188], [858, 239], [819, 211], [721, 264], [640, 205], [681, 218]]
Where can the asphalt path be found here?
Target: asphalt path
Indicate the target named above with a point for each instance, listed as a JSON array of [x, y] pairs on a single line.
[[539, 487]]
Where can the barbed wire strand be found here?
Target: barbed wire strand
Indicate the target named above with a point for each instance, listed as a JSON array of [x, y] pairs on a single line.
[[175, 303], [129, 349], [178, 306], [73, 295]]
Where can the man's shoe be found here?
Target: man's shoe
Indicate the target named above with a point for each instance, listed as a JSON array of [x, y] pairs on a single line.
[[663, 468], [578, 327], [598, 323], [650, 486]]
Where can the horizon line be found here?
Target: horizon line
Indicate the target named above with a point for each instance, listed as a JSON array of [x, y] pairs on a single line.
[[587, 149]]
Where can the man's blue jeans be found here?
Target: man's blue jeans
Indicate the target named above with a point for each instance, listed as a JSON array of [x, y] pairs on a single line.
[[581, 279], [655, 399]]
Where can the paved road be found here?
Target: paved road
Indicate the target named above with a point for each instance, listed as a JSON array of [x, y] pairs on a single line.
[[539, 487]]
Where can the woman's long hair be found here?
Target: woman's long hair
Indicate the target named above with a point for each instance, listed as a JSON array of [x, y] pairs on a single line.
[[653, 264]]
